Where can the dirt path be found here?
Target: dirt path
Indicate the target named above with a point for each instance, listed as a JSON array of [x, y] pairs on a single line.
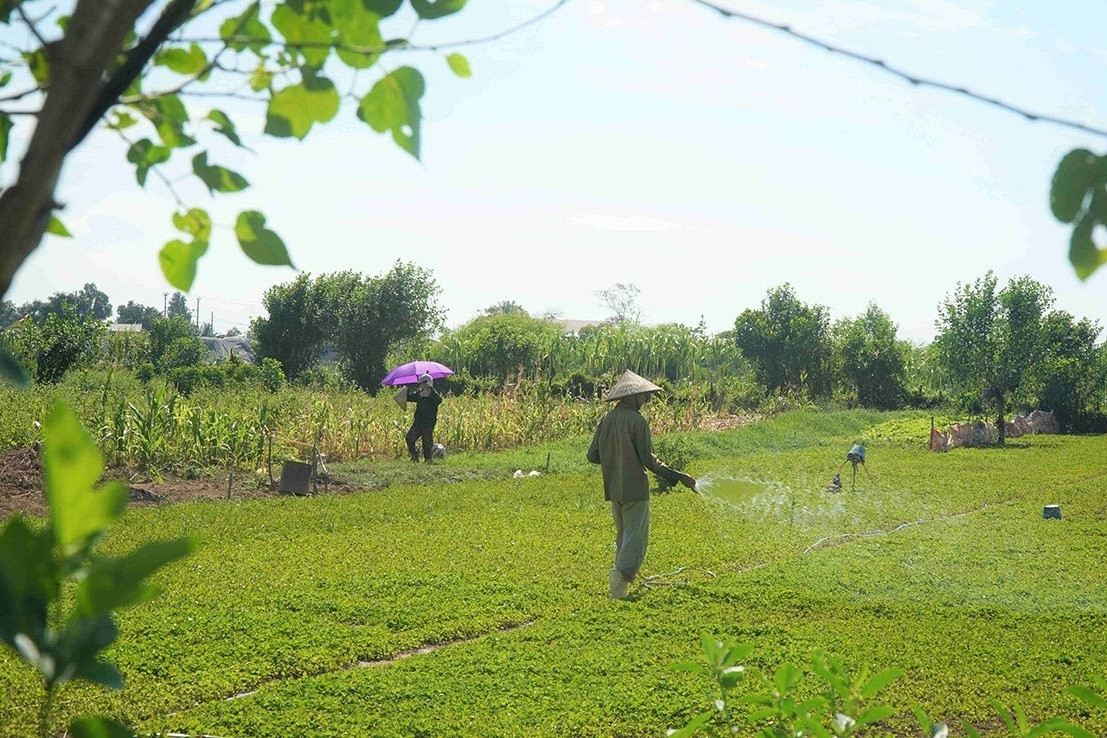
[[21, 488]]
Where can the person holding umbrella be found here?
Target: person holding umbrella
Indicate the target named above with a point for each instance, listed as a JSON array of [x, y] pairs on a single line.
[[623, 447], [421, 374], [426, 399]]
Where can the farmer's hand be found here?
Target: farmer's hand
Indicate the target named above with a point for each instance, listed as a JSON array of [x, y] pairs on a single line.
[[688, 482]]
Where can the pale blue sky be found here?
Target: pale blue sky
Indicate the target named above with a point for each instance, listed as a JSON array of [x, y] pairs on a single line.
[[702, 159]]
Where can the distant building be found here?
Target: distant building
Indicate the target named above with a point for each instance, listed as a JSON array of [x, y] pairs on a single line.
[[125, 328]]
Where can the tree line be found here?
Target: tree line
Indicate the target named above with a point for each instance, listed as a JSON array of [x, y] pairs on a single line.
[[998, 349]]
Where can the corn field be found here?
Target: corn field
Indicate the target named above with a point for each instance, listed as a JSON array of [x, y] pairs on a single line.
[[153, 430]]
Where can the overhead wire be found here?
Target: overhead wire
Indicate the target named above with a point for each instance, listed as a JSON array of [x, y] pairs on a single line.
[[913, 79]]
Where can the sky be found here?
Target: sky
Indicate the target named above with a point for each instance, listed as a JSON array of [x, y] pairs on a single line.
[[655, 143]]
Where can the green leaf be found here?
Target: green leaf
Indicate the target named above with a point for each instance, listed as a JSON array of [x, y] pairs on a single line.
[[358, 27], [459, 64], [262, 245], [393, 105], [145, 154], [39, 65], [29, 581], [224, 126], [384, 8], [875, 714], [11, 369], [196, 223], [178, 259], [261, 78], [1076, 174], [246, 31], [99, 727], [293, 110], [170, 120], [57, 228], [1063, 726], [115, 583], [1084, 255], [431, 9], [190, 61], [178, 262], [880, 681], [5, 78], [71, 466], [217, 178], [5, 131], [1089, 696], [78, 646], [123, 120], [306, 29]]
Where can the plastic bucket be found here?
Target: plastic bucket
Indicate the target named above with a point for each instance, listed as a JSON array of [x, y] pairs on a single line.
[[295, 476]]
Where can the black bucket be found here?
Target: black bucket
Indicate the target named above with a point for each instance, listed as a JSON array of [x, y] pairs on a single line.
[[295, 476]]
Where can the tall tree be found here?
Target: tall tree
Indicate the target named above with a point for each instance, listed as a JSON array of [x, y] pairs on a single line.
[[63, 341], [92, 303], [89, 302], [1070, 378], [788, 342], [294, 331], [361, 317], [870, 358], [178, 307], [374, 314], [622, 301], [505, 307], [9, 313], [132, 312], [168, 336], [990, 340]]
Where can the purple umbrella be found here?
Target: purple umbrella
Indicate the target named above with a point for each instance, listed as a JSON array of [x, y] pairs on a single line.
[[410, 372]]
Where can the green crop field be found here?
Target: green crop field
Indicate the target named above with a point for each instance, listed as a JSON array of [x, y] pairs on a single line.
[[473, 603]]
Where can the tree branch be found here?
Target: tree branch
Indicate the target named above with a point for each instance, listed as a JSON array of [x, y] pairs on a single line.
[[97, 29], [170, 20]]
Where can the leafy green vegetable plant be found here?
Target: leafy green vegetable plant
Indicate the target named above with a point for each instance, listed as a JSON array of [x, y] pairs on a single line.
[[783, 706], [56, 594]]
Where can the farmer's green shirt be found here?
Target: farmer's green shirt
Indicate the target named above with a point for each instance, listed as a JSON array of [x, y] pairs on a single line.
[[623, 447]]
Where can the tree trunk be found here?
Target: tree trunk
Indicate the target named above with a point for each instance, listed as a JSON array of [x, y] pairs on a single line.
[[78, 65]]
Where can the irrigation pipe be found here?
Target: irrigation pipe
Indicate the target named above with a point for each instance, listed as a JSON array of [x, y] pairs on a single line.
[[666, 579]]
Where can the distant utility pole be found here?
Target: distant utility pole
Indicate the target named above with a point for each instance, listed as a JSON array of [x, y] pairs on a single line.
[[164, 304], [197, 314]]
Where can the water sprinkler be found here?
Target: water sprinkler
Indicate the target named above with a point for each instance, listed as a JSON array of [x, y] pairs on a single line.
[[856, 456]]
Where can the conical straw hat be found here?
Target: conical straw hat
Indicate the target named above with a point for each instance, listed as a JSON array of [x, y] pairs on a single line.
[[630, 384]]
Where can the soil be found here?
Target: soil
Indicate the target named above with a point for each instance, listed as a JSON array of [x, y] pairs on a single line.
[[21, 488]]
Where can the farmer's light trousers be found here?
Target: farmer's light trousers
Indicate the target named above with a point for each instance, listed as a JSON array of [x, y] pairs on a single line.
[[632, 532]]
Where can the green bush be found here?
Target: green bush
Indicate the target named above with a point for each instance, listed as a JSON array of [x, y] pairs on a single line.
[[271, 374]]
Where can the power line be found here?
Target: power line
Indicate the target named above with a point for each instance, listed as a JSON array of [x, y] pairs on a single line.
[[907, 77]]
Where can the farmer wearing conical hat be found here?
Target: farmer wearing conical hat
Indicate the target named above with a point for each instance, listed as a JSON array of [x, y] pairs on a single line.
[[623, 447]]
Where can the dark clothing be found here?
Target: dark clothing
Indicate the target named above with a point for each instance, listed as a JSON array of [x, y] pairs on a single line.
[[426, 408], [422, 426], [623, 447], [426, 432]]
